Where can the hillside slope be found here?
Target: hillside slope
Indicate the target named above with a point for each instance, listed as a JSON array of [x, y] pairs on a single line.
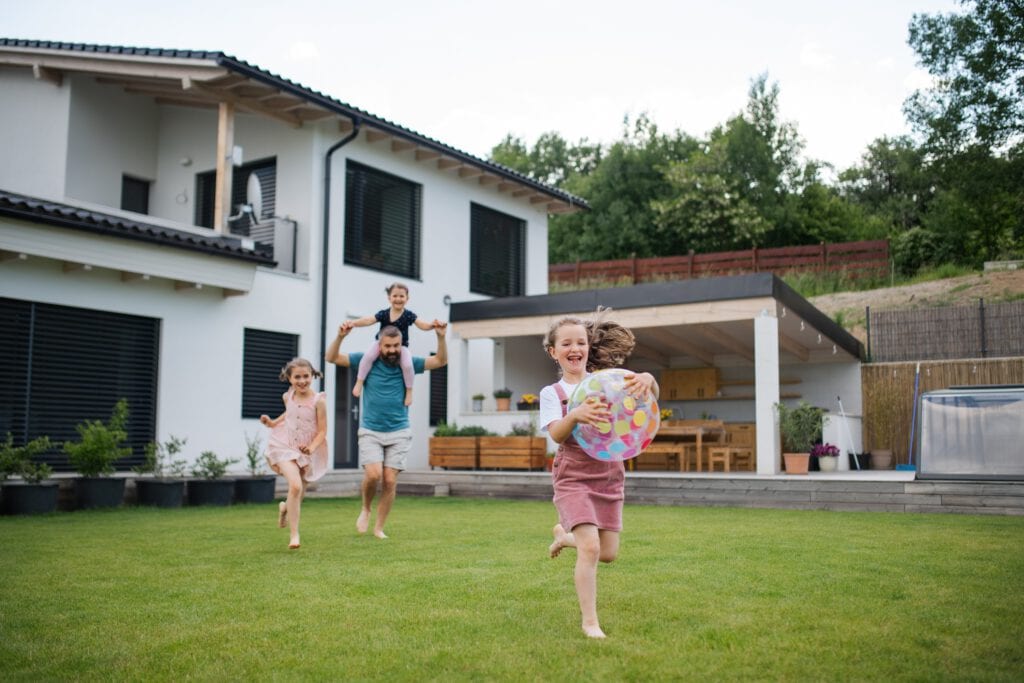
[[848, 308]]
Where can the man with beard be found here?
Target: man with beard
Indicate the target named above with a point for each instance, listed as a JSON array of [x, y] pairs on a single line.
[[384, 433]]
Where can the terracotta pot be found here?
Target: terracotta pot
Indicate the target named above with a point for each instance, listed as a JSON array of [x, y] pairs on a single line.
[[503, 403], [797, 463], [881, 459]]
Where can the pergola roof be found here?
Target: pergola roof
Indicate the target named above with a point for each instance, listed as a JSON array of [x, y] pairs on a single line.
[[204, 79], [710, 321]]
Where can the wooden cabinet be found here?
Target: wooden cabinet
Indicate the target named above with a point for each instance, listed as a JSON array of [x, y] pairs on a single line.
[[742, 435], [696, 383]]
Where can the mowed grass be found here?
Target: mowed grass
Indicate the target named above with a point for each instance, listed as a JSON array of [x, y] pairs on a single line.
[[463, 590]]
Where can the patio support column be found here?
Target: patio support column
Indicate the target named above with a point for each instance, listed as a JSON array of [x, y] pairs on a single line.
[[458, 390], [766, 391]]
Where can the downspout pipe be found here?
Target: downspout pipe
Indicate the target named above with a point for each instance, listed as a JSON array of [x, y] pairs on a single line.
[[327, 229]]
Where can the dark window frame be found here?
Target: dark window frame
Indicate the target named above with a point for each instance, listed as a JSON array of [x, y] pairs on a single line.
[[264, 353], [497, 252], [135, 194], [265, 169], [383, 221]]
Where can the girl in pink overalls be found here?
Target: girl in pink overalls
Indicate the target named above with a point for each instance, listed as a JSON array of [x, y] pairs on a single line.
[[588, 492]]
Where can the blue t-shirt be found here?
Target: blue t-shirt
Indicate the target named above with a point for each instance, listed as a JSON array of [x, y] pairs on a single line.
[[384, 408]]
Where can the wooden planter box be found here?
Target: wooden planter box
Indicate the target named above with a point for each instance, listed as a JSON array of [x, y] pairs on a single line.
[[513, 452], [455, 451]]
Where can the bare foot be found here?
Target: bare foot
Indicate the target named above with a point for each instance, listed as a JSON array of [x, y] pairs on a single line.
[[357, 390], [282, 515], [593, 631], [363, 522], [561, 540], [294, 544], [379, 533]]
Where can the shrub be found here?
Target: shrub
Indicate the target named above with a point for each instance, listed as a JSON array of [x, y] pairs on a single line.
[[254, 455], [159, 459], [209, 466], [99, 445], [17, 460]]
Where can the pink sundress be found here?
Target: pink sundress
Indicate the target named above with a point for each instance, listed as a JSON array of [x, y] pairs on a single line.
[[297, 429]]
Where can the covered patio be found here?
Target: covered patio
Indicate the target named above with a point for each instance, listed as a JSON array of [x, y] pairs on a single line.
[[725, 349]]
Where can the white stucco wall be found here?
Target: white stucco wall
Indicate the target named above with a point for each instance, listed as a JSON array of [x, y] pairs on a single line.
[[33, 134]]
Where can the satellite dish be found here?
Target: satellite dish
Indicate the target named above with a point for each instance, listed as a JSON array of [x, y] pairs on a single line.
[[254, 196]]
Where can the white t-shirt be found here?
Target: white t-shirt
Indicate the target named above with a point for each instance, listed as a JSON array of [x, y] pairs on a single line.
[[550, 405]]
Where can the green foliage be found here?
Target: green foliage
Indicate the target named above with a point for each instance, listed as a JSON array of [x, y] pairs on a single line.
[[209, 466], [478, 397], [496, 608], [913, 250], [18, 460], [800, 426], [160, 460], [254, 458], [977, 61], [99, 444], [528, 428], [503, 393], [444, 429]]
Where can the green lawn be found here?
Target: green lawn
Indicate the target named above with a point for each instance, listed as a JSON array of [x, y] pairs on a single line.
[[463, 590]]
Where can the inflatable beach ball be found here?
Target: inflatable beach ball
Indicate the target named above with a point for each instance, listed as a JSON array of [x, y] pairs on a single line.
[[633, 424]]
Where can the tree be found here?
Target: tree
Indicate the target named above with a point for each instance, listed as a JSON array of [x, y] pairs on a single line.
[[977, 60], [892, 183], [552, 160]]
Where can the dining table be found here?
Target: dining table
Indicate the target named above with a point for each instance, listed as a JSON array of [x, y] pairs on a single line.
[[696, 432]]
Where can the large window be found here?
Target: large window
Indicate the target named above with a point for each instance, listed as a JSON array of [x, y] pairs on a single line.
[[63, 365], [264, 354], [264, 177], [382, 221], [497, 251]]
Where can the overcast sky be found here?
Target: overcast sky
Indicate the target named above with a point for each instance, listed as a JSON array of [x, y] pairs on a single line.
[[468, 72]]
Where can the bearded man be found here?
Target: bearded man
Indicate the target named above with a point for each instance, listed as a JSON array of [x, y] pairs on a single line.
[[384, 433]]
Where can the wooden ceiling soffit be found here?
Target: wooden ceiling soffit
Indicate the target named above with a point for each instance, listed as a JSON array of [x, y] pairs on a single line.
[[427, 155], [398, 145], [224, 95], [488, 179], [376, 135], [742, 350], [676, 344], [646, 352], [787, 343], [116, 65], [445, 163]]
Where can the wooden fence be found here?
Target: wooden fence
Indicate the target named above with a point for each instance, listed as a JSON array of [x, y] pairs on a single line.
[[888, 394], [948, 332], [857, 259]]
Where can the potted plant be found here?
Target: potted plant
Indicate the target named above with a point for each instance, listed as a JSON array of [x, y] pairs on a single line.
[[478, 403], [258, 486], [801, 428], [454, 446], [503, 398], [528, 402], [166, 487], [211, 488], [827, 455], [99, 446], [33, 494], [520, 449]]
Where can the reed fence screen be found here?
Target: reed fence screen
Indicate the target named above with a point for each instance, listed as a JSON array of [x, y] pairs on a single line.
[[948, 332], [855, 259]]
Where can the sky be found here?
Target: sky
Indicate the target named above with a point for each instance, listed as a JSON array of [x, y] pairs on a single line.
[[470, 72]]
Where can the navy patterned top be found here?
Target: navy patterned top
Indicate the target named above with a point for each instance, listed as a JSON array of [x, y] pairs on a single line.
[[403, 323]]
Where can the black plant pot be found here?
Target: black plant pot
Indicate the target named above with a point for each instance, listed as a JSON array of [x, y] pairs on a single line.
[[211, 491], [161, 493], [255, 489], [99, 492], [20, 498]]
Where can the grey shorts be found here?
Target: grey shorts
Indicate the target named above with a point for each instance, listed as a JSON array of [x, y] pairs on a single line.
[[390, 448]]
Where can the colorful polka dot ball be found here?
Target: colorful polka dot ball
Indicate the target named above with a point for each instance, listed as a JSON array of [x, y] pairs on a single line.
[[634, 422]]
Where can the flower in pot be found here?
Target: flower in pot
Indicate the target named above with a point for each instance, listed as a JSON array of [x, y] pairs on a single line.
[[503, 398], [827, 455], [478, 402], [258, 487], [166, 488], [211, 488], [33, 494], [801, 428], [93, 455], [528, 402]]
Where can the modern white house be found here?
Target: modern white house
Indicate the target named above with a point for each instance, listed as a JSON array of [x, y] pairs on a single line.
[[175, 225]]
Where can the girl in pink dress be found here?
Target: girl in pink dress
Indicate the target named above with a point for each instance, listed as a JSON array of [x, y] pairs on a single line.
[[297, 447], [588, 493]]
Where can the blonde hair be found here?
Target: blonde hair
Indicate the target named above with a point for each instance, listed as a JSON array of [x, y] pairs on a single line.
[[610, 344], [286, 371]]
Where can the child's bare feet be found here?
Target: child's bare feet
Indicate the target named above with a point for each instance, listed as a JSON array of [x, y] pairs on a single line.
[[561, 540], [593, 631], [408, 397], [294, 543], [282, 515], [379, 533], [357, 390], [363, 521]]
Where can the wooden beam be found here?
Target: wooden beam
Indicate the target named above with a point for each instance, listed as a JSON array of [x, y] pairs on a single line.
[[539, 198], [376, 135], [345, 125], [222, 182], [445, 164], [469, 172], [739, 348], [134, 277], [12, 256], [794, 347], [42, 73], [426, 155], [402, 145], [182, 286], [486, 179], [678, 344], [522, 192], [69, 267], [253, 105], [507, 185], [121, 65], [233, 292]]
